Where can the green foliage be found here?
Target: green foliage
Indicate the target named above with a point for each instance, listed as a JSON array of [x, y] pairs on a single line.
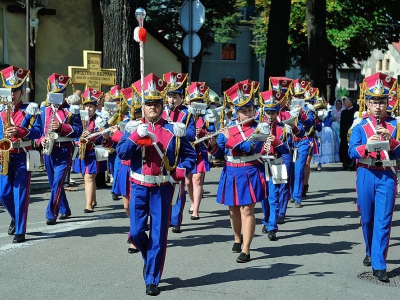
[[342, 92], [354, 28]]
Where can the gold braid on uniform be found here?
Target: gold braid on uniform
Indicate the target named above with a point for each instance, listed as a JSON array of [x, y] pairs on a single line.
[[167, 166], [187, 120], [32, 121]]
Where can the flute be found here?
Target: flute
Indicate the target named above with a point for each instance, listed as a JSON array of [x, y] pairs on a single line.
[[207, 137], [112, 128]]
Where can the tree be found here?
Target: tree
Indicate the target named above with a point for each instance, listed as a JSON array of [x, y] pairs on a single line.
[[277, 46], [317, 43], [120, 50], [167, 23]]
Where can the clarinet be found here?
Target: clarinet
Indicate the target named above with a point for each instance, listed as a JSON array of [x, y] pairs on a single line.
[[378, 161]]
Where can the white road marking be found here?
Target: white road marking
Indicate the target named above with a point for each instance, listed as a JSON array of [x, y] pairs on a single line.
[[48, 232]]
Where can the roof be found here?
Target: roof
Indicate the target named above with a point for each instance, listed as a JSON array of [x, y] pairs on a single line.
[[397, 46]]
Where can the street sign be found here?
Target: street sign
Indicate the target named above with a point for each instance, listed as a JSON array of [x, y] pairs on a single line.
[[196, 45], [198, 15]]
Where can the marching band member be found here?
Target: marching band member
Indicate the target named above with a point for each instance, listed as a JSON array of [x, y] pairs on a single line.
[[376, 169], [113, 160], [67, 124], [310, 96], [154, 167], [278, 143], [242, 182], [197, 92], [122, 174], [86, 162], [175, 111], [284, 86], [20, 124], [301, 145]]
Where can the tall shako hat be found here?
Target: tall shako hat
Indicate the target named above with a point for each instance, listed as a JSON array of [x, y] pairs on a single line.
[[115, 93], [14, 77], [378, 86], [155, 88], [57, 83], [311, 94], [91, 96], [133, 100], [242, 93], [300, 86], [176, 82], [198, 91], [271, 100], [281, 84]]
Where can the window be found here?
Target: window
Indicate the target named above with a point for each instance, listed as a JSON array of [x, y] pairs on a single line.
[[228, 51], [387, 63], [226, 83], [353, 79], [379, 66]]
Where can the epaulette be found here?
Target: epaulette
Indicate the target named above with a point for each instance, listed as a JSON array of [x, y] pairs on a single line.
[[74, 109], [32, 108]]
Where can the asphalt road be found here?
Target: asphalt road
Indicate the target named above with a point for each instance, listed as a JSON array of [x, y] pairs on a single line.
[[318, 255]]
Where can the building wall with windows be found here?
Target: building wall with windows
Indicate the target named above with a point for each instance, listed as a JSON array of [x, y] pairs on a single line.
[[387, 62], [230, 62]]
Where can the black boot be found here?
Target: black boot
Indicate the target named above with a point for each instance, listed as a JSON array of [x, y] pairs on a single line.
[[305, 190]]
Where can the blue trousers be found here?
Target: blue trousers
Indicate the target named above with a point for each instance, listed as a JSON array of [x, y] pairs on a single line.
[[156, 203], [114, 163], [15, 189], [303, 149], [270, 206], [57, 165], [179, 206], [284, 189], [376, 194]]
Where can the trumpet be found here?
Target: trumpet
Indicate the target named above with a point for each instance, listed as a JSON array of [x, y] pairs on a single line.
[[209, 136]]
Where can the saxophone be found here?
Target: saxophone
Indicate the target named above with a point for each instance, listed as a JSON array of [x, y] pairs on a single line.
[[5, 143], [51, 136], [83, 140]]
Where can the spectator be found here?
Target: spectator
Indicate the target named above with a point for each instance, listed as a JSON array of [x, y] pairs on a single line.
[[336, 113], [346, 120]]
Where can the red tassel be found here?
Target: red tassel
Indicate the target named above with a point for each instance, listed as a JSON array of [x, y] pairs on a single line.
[[144, 141], [142, 35]]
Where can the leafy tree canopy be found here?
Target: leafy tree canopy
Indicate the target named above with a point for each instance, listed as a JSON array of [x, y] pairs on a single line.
[[354, 28]]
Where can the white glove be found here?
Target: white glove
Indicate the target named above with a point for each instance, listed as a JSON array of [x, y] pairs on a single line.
[[131, 126], [210, 118], [311, 107], [179, 129], [143, 130], [263, 128]]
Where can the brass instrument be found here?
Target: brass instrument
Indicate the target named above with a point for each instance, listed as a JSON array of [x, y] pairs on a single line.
[[83, 140], [120, 112], [5, 143], [320, 104], [55, 100]]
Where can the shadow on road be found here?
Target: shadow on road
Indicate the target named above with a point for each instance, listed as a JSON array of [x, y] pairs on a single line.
[[249, 273]]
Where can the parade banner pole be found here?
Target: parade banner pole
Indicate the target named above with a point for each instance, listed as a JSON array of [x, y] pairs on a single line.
[[140, 36]]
